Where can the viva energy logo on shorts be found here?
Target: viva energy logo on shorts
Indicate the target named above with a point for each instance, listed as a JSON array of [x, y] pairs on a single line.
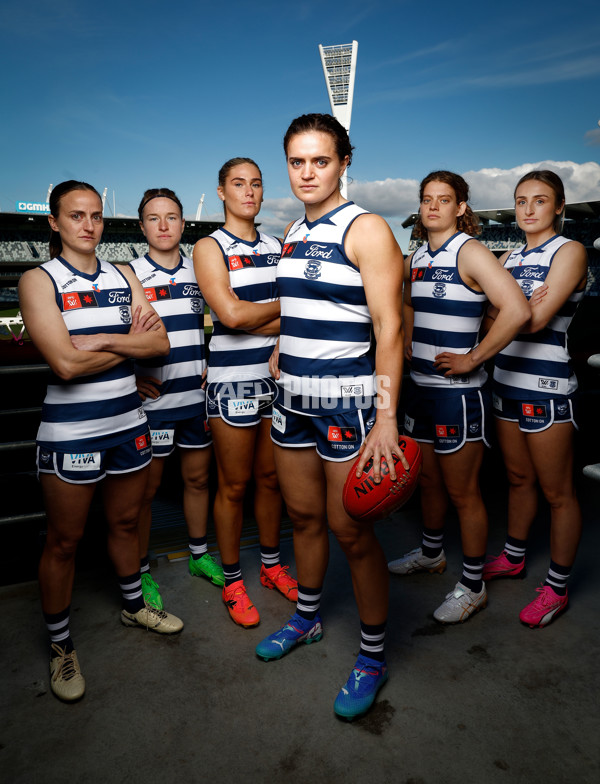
[[242, 397], [165, 437], [89, 461], [238, 408]]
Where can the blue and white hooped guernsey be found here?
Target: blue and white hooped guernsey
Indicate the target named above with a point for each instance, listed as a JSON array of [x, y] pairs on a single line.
[[236, 355], [96, 412], [175, 296], [325, 349], [537, 365], [448, 314]]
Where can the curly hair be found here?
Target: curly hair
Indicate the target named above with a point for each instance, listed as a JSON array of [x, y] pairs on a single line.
[[469, 222]]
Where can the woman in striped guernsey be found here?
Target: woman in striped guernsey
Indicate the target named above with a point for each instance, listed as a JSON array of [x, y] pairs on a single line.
[[236, 268], [534, 388], [340, 284], [171, 386], [88, 319], [447, 284]]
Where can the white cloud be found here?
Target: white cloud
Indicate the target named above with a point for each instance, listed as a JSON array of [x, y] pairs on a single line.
[[593, 137], [396, 199], [276, 214], [495, 187], [391, 198]]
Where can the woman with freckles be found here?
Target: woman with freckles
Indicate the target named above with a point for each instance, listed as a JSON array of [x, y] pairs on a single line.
[[447, 284]]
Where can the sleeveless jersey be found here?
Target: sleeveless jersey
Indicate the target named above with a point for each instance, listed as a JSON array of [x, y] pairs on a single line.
[[236, 355], [537, 365], [99, 411], [448, 314], [325, 347], [175, 296]]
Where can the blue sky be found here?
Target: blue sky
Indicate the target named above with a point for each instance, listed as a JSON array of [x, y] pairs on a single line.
[[132, 95]]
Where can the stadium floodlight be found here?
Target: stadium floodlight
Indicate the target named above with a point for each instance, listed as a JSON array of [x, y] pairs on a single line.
[[199, 210], [339, 67]]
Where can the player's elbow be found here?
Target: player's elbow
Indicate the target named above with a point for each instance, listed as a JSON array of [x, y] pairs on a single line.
[[523, 313], [536, 324], [163, 345], [64, 368], [232, 318]]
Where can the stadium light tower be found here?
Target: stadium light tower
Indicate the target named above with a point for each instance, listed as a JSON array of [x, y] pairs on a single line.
[[339, 67], [199, 210]]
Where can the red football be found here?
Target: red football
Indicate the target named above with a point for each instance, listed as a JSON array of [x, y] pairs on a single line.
[[366, 501]]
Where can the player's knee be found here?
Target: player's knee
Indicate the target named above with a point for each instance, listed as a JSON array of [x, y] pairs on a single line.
[[62, 548], [196, 482], [520, 479], [465, 498], [559, 497], [233, 492], [267, 480], [354, 545], [305, 520], [125, 522]]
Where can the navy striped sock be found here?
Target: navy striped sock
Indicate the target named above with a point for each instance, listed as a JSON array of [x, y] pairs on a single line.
[[198, 546], [557, 578], [309, 602], [131, 591], [433, 541], [371, 641], [269, 556], [472, 572], [515, 549], [232, 572], [58, 629]]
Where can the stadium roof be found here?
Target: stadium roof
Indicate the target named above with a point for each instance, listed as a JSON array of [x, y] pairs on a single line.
[[581, 210]]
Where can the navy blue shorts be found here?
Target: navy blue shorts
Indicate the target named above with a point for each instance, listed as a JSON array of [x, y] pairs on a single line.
[[448, 421], [86, 467], [337, 437], [241, 403], [534, 416], [193, 433]]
